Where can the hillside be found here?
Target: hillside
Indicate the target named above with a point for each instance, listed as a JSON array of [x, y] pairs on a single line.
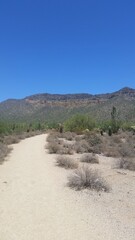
[[58, 107]]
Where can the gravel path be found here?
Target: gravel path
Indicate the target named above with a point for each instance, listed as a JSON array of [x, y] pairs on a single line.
[[36, 204]]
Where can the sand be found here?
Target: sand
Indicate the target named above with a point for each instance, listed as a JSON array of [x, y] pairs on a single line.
[[36, 204]]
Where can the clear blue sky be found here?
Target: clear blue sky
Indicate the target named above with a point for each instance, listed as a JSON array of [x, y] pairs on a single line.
[[66, 46]]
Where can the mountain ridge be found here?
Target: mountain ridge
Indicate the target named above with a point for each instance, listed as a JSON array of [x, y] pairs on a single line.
[[59, 107], [54, 96]]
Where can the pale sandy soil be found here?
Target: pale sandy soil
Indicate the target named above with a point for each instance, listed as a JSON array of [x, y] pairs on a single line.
[[36, 204]]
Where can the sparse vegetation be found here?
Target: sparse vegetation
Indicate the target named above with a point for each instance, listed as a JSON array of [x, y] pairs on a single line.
[[119, 145], [10, 134], [81, 146], [85, 177], [54, 147], [126, 164], [66, 162], [4, 151], [90, 158]]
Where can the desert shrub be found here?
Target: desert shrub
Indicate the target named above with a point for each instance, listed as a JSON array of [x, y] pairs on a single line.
[[125, 150], [58, 145], [70, 136], [93, 139], [81, 147], [89, 158], [53, 137], [78, 123], [116, 138], [79, 137], [111, 152], [66, 162], [11, 139], [85, 177], [4, 151], [66, 150], [126, 164], [126, 126], [53, 147]]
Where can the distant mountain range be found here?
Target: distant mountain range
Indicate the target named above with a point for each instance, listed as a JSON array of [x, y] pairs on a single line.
[[59, 107]]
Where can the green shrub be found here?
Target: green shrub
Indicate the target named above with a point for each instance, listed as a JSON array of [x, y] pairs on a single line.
[[78, 123]]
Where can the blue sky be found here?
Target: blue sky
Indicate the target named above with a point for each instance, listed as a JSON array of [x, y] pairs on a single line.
[[60, 46]]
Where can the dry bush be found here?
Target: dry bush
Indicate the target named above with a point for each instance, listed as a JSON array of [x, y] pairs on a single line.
[[116, 139], [79, 137], [4, 151], [81, 147], [70, 136], [93, 139], [109, 148], [85, 177], [126, 164], [89, 158], [67, 162], [126, 150], [66, 150], [11, 139], [53, 147], [111, 152], [54, 136]]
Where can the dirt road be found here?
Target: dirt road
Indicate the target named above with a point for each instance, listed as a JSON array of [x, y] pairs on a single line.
[[36, 204]]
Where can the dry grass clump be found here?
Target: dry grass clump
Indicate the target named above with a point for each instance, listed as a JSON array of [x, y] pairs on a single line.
[[4, 151], [59, 148], [67, 162], [89, 158], [116, 139], [11, 139], [126, 164], [126, 150], [94, 141], [81, 146], [70, 136], [53, 147], [66, 149], [93, 138], [58, 145], [84, 177], [79, 137], [53, 137], [109, 147]]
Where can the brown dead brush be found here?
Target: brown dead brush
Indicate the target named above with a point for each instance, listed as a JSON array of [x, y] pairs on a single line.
[[70, 136], [11, 139], [126, 164], [53, 147], [4, 151], [81, 147], [85, 177], [89, 158], [66, 162]]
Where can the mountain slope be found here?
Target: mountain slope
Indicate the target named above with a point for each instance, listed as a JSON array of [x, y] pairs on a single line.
[[59, 107]]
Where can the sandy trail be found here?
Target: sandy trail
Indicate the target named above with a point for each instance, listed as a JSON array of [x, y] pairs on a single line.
[[36, 204]]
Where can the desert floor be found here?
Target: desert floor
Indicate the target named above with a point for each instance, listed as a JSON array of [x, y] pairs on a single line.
[[36, 204]]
